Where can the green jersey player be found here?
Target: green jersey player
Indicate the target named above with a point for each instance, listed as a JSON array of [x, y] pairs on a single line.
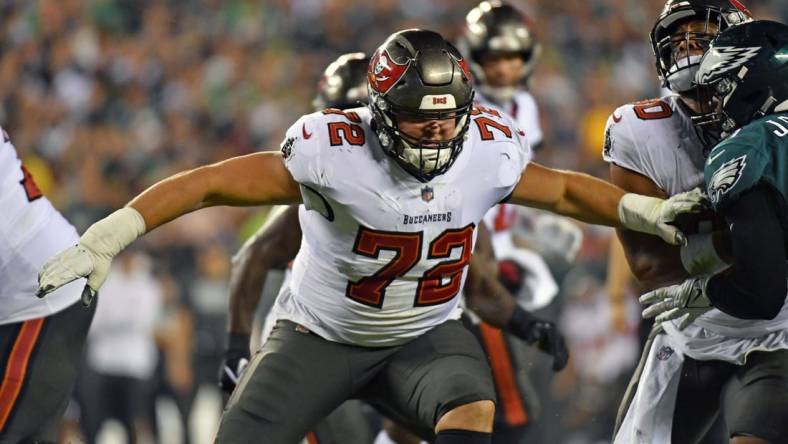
[[745, 73]]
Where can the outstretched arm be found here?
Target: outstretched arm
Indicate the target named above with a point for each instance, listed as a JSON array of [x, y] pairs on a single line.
[[255, 179], [569, 193], [595, 201], [655, 263]]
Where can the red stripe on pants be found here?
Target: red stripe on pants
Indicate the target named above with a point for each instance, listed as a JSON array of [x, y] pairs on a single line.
[[16, 369], [503, 375]]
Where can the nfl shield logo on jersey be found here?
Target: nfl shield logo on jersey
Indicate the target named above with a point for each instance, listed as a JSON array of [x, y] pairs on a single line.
[[427, 194]]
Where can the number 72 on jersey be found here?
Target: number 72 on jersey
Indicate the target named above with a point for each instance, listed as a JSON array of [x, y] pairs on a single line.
[[437, 285]]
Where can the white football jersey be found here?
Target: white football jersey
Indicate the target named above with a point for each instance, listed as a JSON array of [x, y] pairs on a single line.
[[540, 287], [503, 217], [500, 220], [31, 231], [522, 109], [383, 255], [656, 138]]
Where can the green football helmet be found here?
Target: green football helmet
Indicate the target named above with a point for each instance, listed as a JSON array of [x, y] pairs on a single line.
[[745, 74]]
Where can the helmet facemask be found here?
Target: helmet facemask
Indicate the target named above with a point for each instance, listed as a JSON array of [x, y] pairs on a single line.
[[417, 76], [496, 28], [678, 54], [423, 158], [744, 74], [732, 107], [503, 94], [711, 97]]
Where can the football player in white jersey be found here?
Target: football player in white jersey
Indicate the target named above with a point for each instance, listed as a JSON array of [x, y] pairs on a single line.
[[40, 340], [276, 244], [343, 85], [655, 148], [502, 52], [392, 196]]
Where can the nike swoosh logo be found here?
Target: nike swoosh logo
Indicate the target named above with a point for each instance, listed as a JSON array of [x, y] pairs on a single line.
[[305, 133], [616, 118], [507, 155], [712, 158]]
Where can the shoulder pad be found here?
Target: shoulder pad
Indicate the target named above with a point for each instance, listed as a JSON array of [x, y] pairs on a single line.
[[628, 125], [498, 129], [493, 125], [301, 148], [620, 147]]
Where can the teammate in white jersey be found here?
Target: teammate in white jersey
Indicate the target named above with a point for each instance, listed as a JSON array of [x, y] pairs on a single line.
[[40, 340], [343, 85], [502, 53], [392, 196], [655, 148], [277, 243]]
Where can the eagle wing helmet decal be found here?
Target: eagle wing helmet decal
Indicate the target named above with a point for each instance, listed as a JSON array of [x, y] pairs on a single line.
[[723, 59]]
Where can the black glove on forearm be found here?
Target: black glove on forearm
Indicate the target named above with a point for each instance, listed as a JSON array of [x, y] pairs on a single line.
[[540, 333], [235, 359]]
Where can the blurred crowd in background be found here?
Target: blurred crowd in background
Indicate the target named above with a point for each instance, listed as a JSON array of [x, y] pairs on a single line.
[[104, 97]]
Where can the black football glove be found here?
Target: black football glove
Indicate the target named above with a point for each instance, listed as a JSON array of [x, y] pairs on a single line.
[[542, 334], [236, 357]]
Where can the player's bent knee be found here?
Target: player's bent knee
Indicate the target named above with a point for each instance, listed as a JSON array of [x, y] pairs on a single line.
[[476, 416]]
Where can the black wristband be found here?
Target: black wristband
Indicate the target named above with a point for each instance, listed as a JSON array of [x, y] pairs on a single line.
[[520, 324], [238, 343]]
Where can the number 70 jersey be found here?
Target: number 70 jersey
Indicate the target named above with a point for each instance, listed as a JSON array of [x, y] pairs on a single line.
[[31, 231], [384, 256]]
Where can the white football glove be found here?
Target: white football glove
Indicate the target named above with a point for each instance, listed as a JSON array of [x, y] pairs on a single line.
[[687, 300], [91, 257], [653, 215]]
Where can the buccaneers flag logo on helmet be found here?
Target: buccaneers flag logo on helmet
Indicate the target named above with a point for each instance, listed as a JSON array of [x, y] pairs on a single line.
[[385, 72]]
